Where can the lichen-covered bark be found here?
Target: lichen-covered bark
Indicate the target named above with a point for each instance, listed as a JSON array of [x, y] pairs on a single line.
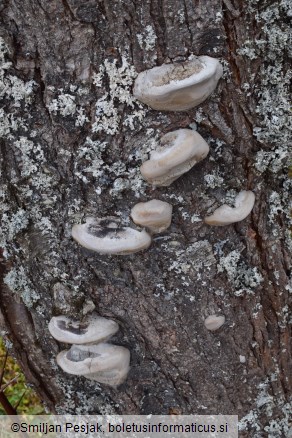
[[73, 139]]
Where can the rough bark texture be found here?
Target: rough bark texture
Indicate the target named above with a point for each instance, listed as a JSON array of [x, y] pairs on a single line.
[[56, 170]]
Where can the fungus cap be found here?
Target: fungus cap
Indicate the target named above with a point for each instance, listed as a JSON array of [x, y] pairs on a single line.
[[214, 322], [104, 363], [154, 215], [180, 151], [226, 215], [180, 86], [106, 236], [92, 329]]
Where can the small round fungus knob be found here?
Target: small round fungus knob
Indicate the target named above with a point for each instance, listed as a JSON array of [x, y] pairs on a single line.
[[214, 322], [154, 215]]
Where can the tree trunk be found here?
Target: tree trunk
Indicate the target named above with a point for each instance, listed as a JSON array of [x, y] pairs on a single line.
[[72, 143]]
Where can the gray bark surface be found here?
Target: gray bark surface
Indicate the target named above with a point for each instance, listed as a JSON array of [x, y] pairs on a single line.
[[160, 297]]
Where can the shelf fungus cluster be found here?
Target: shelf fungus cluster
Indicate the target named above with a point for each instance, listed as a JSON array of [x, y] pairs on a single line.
[[90, 355], [178, 87], [180, 150], [170, 87]]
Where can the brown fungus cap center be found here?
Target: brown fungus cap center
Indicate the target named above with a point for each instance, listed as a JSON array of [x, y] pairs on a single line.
[[179, 72], [79, 329]]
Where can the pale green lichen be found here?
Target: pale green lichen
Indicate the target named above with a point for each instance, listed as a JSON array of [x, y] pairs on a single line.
[[11, 87], [90, 153], [109, 113], [214, 179], [11, 225], [191, 260], [16, 93], [273, 95], [80, 402], [280, 203], [274, 126], [31, 157], [200, 116], [243, 278], [65, 105], [195, 218], [148, 39], [181, 16], [284, 317], [279, 424], [89, 165], [18, 281], [272, 160], [10, 123]]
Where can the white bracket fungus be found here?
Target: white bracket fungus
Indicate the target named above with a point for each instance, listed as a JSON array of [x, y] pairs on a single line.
[[154, 215], [92, 329], [104, 363], [226, 215], [178, 87], [106, 236], [214, 322], [180, 151]]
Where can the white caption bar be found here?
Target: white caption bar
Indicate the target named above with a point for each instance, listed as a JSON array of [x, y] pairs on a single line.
[[115, 426]]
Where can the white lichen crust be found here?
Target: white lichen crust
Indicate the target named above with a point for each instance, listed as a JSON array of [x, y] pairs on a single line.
[[106, 236], [180, 150], [109, 108], [214, 322], [92, 329], [154, 215], [104, 363], [226, 215], [178, 87]]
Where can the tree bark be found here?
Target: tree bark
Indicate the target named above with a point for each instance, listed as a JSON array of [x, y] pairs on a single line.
[[61, 162]]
